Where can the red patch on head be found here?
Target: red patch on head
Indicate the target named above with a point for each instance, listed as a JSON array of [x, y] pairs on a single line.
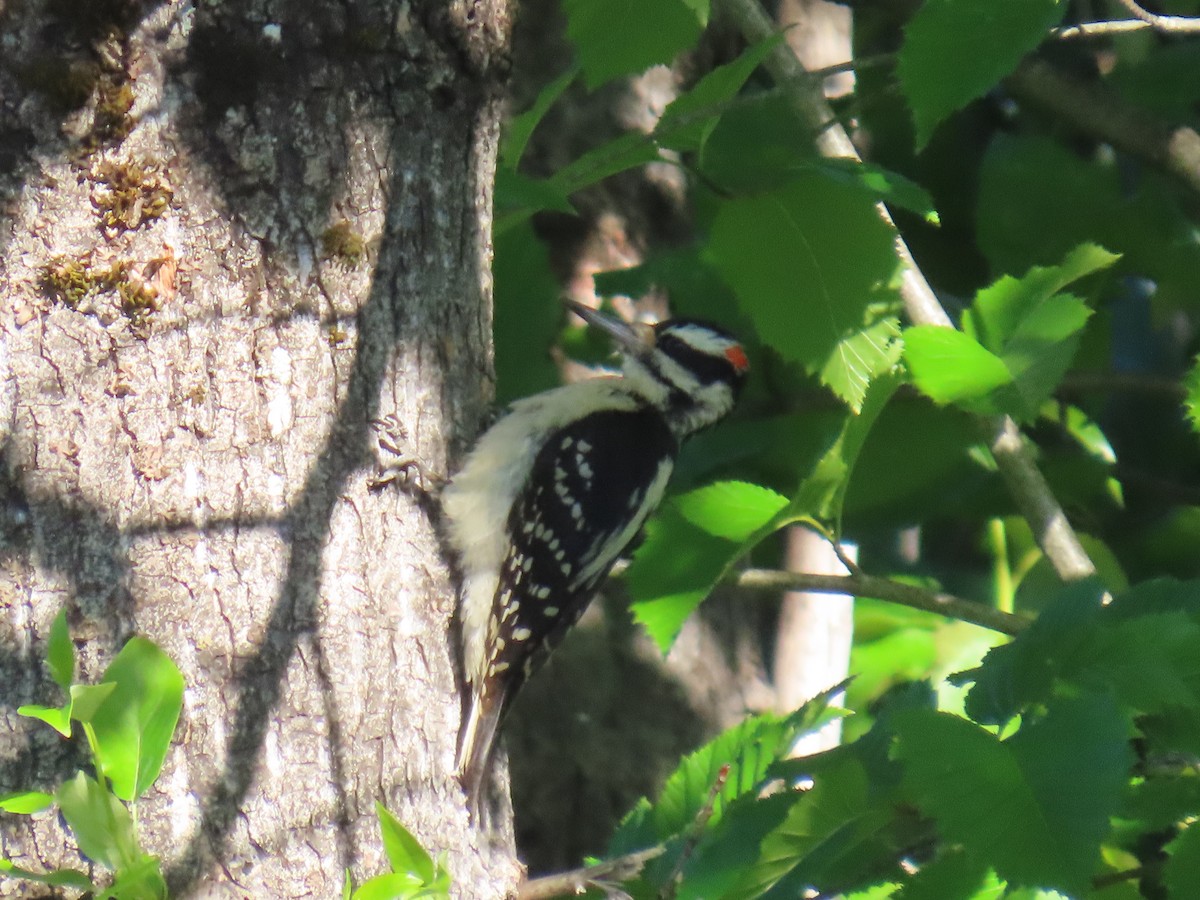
[[737, 356]]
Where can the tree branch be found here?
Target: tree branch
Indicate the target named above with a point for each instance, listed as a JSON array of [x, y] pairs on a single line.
[[577, 881], [873, 586], [1100, 113], [1165, 24], [862, 585], [1025, 482]]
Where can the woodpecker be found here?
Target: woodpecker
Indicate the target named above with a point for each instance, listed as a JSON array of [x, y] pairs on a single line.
[[554, 492]]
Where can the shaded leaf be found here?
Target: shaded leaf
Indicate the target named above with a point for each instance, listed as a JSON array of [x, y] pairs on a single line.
[[955, 50], [60, 878], [100, 822], [621, 37], [520, 128], [26, 802], [60, 652]]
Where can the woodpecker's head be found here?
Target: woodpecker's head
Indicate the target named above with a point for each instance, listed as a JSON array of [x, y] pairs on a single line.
[[690, 370]]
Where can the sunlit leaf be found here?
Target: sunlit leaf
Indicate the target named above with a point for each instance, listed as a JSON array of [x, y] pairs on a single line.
[[134, 725]]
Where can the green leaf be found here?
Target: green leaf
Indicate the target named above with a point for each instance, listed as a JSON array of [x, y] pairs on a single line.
[[26, 802], [133, 727], [390, 886], [59, 878], [141, 881], [951, 367], [956, 50], [518, 196], [60, 652], [1191, 399], [520, 128], [1038, 200], [733, 510], [628, 151], [527, 315], [690, 116], [621, 37], [1036, 807], [672, 571], [87, 698], [100, 822], [1182, 873], [815, 268], [404, 852], [760, 143], [952, 874], [1001, 311], [57, 717], [739, 761]]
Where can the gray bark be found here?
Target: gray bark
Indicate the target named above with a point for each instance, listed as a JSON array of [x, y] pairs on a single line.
[[284, 236]]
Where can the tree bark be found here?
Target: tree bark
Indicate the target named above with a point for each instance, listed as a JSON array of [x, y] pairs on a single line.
[[253, 228]]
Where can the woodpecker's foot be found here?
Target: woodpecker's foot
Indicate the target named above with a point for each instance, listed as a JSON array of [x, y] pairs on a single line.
[[398, 463]]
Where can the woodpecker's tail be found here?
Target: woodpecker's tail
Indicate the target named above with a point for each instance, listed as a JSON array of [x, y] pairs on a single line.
[[475, 745]]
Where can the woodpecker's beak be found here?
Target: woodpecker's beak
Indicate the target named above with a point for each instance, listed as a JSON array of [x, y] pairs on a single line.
[[635, 339]]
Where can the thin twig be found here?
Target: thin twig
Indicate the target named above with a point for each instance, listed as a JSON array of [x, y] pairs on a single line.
[[1014, 460], [696, 831], [579, 880], [877, 588], [1166, 24], [1098, 29]]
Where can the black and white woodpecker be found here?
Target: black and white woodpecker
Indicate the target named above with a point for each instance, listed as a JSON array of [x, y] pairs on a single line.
[[554, 492]]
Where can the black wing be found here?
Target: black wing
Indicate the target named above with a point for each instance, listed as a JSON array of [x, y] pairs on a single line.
[[585, 500]]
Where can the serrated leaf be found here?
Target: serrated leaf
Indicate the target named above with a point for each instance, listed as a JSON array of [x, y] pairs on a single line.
[[60, 652], [951, 367], [814, 266], [133, 727], [1036, 807], [26, 803], [100, 822], [955, 50], [741, 757], [621, 37], [404, 852], [60, 878], [733, 510], [1002, 309], [520, 128], [1038, 200]]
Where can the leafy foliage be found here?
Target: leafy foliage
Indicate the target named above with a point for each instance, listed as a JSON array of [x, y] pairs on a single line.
[[1057, 763], [128, 720]]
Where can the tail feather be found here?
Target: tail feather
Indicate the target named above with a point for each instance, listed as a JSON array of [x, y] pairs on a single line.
[[476, 744]]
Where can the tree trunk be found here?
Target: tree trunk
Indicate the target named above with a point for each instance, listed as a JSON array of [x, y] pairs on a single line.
[[234, 234]]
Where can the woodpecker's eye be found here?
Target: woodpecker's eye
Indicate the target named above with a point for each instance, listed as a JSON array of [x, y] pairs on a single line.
[[704, 350]]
